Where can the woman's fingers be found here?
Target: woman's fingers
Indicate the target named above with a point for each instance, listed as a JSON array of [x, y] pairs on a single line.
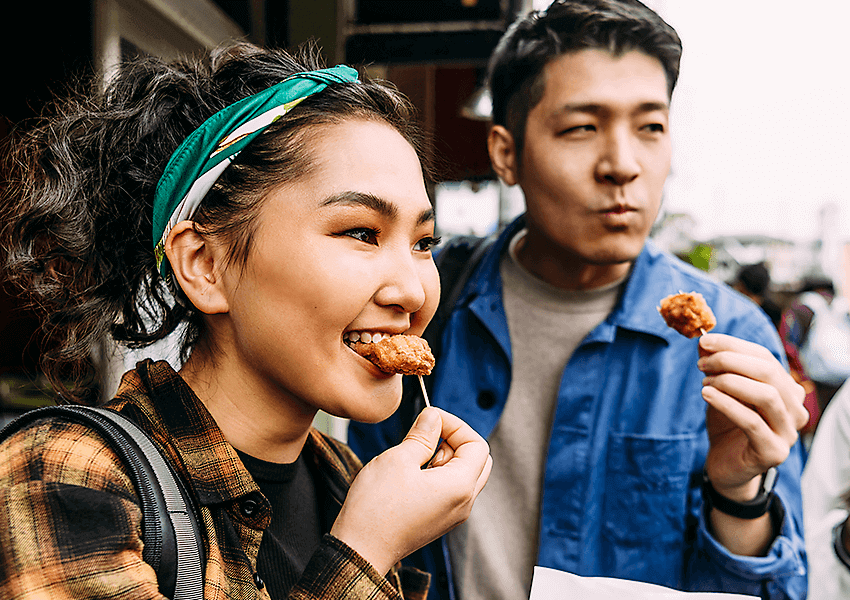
[[423, 437], [395, 506]]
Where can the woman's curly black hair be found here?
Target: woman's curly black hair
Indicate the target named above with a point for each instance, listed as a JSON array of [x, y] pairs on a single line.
[[75, 218]]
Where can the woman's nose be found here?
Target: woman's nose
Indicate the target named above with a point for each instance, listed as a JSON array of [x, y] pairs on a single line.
[[403, 284]]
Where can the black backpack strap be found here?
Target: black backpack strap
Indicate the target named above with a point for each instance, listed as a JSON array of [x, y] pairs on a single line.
[[456, 262], [172, 538]]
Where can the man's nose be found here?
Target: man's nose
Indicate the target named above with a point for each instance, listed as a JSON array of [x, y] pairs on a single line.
[[618, 163]]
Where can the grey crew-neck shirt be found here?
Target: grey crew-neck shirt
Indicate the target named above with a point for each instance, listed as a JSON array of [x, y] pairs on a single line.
[[495, 550]]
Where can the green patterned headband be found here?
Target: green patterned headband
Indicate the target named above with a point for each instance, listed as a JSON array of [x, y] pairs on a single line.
[[206, 153]]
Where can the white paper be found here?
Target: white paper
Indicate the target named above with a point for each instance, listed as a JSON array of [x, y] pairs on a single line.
[[551, 584]]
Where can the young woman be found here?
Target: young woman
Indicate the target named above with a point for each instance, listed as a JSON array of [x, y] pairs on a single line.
[[273, 209]]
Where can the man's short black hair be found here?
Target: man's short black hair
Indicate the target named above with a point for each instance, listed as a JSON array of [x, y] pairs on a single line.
[[532, 41]]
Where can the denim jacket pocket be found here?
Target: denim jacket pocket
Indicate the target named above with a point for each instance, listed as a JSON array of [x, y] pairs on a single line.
[[646, 492], [646, 507]]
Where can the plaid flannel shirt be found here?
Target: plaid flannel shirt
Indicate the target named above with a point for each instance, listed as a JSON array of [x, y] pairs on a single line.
[[70, 518]]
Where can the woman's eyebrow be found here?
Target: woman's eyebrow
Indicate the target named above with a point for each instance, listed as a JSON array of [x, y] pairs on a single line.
[[376, 203], [351, 198], [426, 216]]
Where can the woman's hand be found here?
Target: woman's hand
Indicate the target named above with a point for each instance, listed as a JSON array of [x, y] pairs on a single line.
[[395, 507]]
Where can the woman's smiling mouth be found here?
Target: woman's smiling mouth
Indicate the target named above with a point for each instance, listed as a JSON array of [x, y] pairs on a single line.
[[364, 337]]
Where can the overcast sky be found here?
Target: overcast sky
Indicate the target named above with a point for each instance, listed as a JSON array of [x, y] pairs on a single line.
[[760, 119]]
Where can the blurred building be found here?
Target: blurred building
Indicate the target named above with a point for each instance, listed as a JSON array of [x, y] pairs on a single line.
[[790, 262], [434, 50]]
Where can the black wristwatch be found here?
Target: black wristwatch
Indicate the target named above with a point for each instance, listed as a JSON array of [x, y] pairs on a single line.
[[751, 509], [838, 544]]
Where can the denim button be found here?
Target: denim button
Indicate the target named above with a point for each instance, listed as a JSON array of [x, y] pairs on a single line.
[[486, 400]]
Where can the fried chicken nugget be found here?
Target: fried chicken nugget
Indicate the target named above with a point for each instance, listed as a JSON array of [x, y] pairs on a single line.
[[405, 354], [688, 314]]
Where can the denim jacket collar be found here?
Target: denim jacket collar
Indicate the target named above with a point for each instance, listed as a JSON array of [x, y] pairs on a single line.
[[636, 309]]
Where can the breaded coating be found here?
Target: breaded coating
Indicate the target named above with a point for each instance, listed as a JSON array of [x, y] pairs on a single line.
[[687, 313], [405, 354]]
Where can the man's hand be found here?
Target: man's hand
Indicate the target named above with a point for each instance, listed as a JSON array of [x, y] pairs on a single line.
[[755, 411]]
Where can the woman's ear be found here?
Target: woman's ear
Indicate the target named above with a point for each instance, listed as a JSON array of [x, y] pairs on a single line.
[[503, 157], [197, 265]]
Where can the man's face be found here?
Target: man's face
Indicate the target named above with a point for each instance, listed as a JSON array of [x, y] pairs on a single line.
[[596, 156]]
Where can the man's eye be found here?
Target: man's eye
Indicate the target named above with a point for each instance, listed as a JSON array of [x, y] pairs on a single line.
[[427, 244], [579, 129], [363, 234], [654, 128]]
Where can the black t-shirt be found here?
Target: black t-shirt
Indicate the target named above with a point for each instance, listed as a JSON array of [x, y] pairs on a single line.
[[297, 523]]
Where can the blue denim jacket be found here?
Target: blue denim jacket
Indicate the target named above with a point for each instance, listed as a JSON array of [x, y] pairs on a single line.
[[621, 492]]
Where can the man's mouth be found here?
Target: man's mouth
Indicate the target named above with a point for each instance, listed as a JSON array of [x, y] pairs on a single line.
[[618, 209]]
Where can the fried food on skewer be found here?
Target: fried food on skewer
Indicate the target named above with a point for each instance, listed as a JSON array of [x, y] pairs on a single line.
[[687, 313], [405, 354]]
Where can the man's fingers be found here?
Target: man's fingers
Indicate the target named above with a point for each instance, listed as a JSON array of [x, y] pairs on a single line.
[[760, 368], [764, 399], [771, 448], [717, 342], [739, 368]]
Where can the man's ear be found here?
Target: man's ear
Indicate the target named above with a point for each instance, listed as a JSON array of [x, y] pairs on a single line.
[[197, 265], [503, 156]]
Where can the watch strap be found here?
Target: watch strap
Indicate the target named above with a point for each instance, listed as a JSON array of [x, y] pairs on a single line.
[[838, 544], [751, 509]]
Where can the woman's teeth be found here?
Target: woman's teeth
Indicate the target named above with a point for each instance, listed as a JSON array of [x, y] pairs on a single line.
[[364, 337]]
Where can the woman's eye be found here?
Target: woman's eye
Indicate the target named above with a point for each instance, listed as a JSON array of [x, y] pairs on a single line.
[[427, 244], [363, 234]]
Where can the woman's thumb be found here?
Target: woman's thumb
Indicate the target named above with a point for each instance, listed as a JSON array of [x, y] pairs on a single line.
[[424, 435]]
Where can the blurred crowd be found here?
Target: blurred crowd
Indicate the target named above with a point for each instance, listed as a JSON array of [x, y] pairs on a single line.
[[814, 326]]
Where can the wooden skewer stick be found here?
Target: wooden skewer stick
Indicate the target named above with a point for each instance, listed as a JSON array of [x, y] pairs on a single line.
[[428, 404], [424, 393]]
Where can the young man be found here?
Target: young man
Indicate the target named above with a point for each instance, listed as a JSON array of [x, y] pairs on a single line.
[[621, 448]]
